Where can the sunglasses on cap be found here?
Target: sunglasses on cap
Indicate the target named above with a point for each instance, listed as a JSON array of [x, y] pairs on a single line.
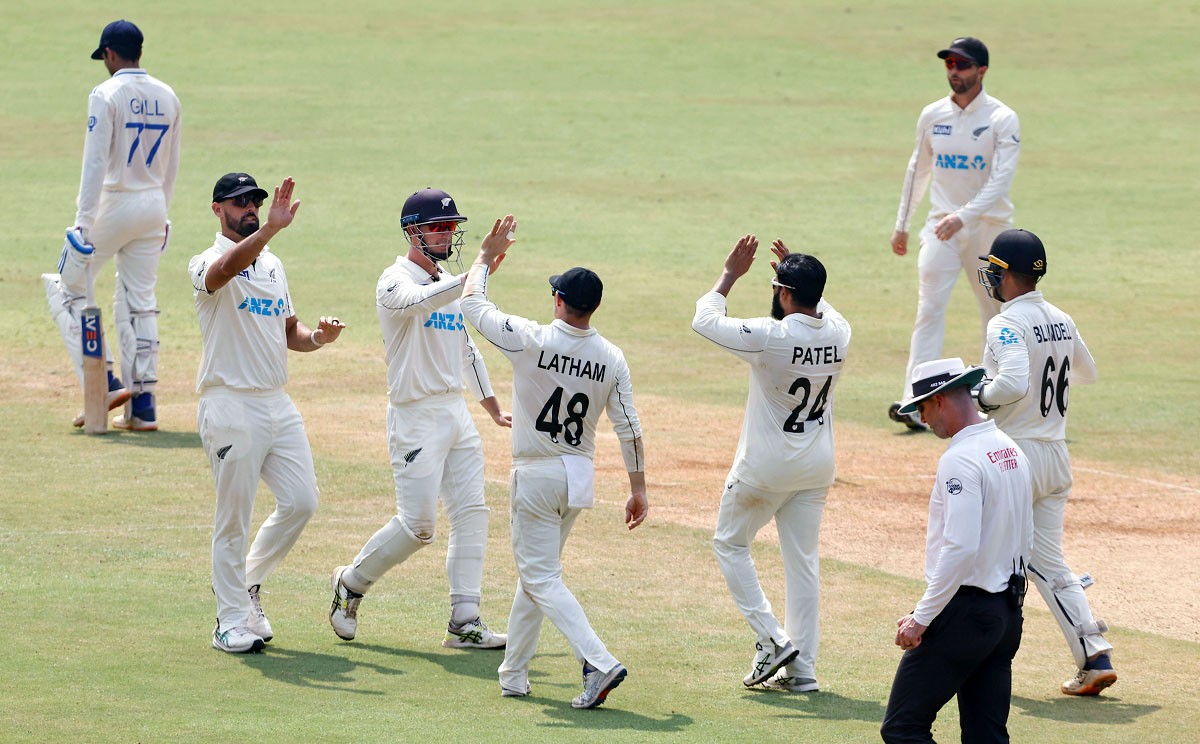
[[244, 200], [958, 63]]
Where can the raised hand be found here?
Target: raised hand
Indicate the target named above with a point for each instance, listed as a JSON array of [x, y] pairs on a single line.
[[780, 250], [497, 241], [283, 210], [739, 259]]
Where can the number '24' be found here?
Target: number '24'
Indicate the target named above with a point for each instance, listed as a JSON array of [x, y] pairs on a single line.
[[140, 127]]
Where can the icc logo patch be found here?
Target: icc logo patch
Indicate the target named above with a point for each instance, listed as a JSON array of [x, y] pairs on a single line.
[[953, 487], [91, 123]]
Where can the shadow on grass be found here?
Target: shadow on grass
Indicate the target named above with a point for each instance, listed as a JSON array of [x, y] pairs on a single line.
[[603, 718], [150, 439], [478, 663], [827, 706], [307, 669], [1099, 709]]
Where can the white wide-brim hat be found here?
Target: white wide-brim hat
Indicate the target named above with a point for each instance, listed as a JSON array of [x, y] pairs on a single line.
[[938, 376]]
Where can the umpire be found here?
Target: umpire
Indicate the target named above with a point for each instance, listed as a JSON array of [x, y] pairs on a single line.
[[963, 634]]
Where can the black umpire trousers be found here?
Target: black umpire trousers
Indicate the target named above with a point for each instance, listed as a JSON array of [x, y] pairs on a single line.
[[967, 650]]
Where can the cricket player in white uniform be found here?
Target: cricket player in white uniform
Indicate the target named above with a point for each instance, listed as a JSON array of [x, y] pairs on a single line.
[[563, 375], [434, 446], [248, 425], [1034, 356], [967, 145], [130, 160], [784, 464]]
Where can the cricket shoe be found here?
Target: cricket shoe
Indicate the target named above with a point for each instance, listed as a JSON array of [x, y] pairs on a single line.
[[473, 634], [142, 417], [597, 685], [791, 684], [258, 623], [343, 613], [236, 640], [117, 395], [768, 660], [1090, 681], [509, 692], [911, 420]]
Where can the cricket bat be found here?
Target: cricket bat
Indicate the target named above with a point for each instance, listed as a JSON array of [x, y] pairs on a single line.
[[95, 381]]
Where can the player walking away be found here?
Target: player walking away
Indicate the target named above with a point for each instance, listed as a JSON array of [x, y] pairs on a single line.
[[963, 634], [248, 425], [130, 159], [563, 375], [1034, 355], [967, 144], [784, 463], [435, 448]]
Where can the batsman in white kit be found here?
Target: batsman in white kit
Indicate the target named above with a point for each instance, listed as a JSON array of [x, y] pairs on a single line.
[[1034, 355], [130, 160], [563, 375], [248, 425], [435, 449], [968, 144], [784, 464]]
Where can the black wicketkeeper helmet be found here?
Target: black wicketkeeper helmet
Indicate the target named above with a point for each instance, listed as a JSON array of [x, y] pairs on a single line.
[[431, 206]]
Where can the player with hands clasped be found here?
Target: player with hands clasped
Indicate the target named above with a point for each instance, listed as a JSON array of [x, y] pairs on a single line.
[[434, 446], [130, 160], [564, 374], [248, 425], [962, 636], [968, 144], [784, 464], [1034, 355]]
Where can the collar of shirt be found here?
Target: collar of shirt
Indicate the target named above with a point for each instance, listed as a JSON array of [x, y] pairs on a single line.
[[974, 105], [420, 274], [970, 431], [566, 327], [1034, 296], [807, 320], [130, 71], [223, 244]]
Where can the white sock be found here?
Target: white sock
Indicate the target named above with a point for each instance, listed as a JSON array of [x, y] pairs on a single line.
[[354, 582], [463, 609]]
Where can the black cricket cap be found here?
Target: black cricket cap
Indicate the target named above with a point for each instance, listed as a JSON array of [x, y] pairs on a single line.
[[236, 184], [1020, 251], [580, 288], [122, 37], [967, 47]]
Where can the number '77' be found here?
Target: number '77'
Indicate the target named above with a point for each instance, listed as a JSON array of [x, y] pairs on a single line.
[[162, 130]]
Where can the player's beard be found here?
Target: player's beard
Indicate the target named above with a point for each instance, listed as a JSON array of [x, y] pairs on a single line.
[[776, 307], [248, 226], [964, 83]]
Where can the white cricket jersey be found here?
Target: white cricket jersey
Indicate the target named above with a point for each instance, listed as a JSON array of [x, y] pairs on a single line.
[[787, 434], [980, 517], [132, 142], [562, 377], [970, 154], [242, 324], [1033, 354], [426, 345]]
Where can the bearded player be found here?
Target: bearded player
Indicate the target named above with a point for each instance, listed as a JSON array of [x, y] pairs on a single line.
[[1034, 355]]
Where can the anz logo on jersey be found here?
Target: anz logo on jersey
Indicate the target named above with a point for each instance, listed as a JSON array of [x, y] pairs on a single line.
[[263, 306], [960, 162], [445, 322]]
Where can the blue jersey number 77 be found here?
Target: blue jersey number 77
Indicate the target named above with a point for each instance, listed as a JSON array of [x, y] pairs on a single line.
[[162, 130]]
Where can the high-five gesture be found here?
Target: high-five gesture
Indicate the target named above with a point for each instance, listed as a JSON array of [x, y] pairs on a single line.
[[780, 250], [283, 210], [497, 242], [737, 263]]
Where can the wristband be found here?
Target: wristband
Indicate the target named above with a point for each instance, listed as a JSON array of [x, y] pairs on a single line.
[[313, 337]]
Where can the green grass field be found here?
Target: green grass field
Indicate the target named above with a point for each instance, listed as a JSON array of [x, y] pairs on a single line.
[[640, 140]]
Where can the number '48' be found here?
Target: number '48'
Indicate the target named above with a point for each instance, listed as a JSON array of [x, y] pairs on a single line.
[[794, 424], [572, 425]]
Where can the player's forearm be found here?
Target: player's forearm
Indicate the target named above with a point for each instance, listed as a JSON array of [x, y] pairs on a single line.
[[637, 481], [302, 338], [1011, 382], [238, 258]]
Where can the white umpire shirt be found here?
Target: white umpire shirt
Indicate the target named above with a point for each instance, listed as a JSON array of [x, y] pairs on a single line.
[[980, 517], [132, 142], [795, 363], [1034, 353], [562, 377], [971, 156], [243, 324], [426, 346]]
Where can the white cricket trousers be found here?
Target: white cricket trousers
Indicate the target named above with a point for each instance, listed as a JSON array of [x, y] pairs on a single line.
[[744, 511], [938, 265], [436, 452], [541, 521], [248, 436], [130, 227], [1064, 595]]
